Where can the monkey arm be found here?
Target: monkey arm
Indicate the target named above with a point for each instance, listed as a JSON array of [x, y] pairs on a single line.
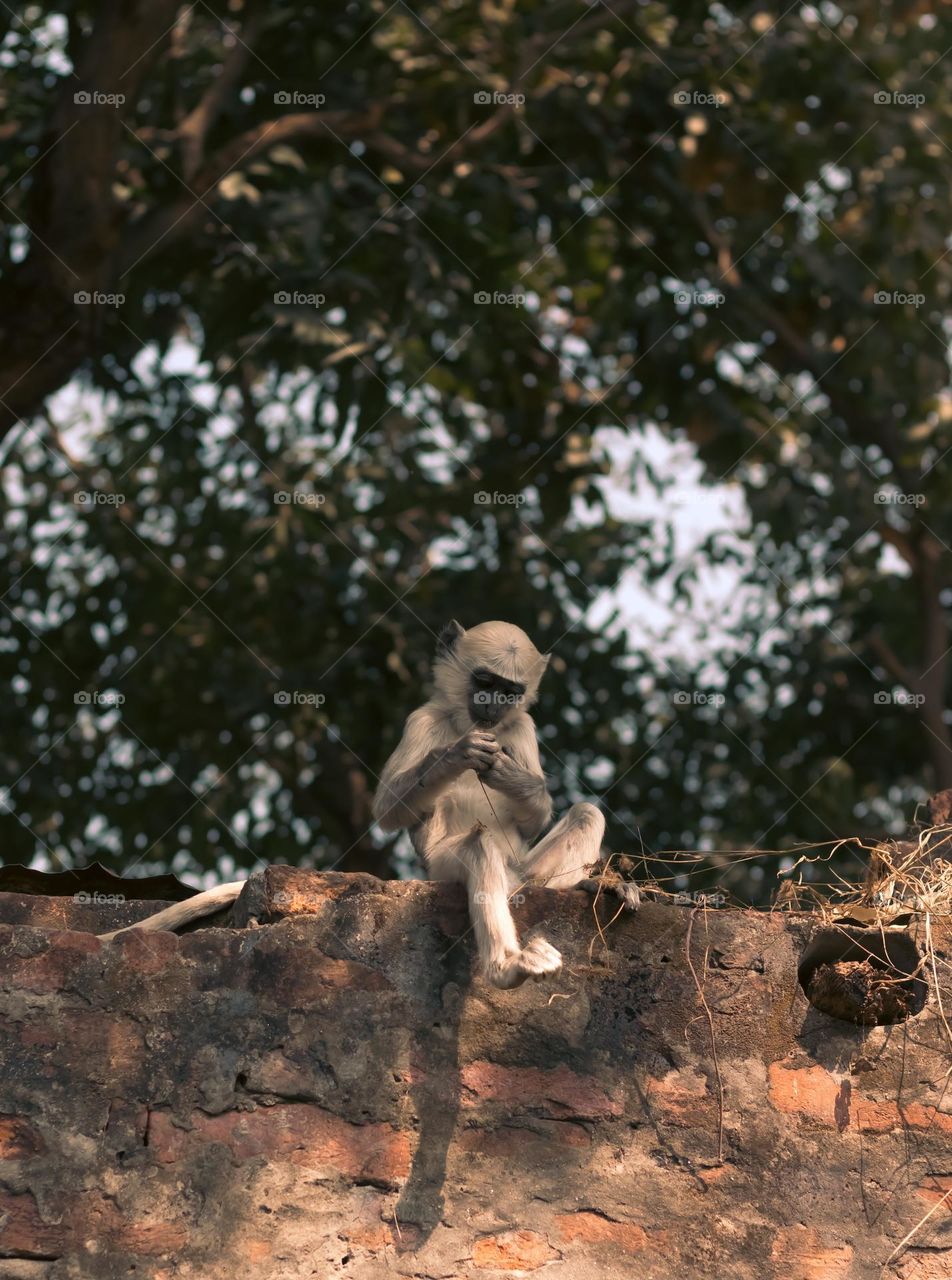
[[526, 790], [418, 772], [406, 798], [517, 773]]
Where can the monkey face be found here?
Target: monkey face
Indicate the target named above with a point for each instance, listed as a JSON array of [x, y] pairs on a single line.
[[488, 674], [491, 697]]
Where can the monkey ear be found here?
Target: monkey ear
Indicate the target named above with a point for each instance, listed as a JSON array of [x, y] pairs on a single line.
[[544, 662], [446, 640]]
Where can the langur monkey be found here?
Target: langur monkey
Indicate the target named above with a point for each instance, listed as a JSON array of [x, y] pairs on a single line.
[[474, 740], [467, 783]]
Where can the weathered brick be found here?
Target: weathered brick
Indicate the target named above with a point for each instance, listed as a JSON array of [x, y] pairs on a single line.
[[23, 1230], [559, 1092], [300, 1134], [936, 1189], [371, 1238], [924, 1264], [513, 1251], [151, 1239], [305, 979], [511, 1142], [54, 967], [144, 952], [19, 1138], [89, 1222], [814, 1093], [799, 1253], [585, 1227], [810, 1091], [682, 1098]]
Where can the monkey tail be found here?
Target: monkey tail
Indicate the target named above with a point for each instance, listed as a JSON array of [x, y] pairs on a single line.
[[202, 904]]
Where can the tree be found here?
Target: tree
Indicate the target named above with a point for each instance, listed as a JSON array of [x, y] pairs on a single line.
[[421, 256]]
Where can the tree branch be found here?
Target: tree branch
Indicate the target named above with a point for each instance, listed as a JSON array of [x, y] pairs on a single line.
[[193, 129]]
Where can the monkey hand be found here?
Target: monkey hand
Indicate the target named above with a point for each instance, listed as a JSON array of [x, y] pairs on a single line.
[[505, 774], [477, 750]]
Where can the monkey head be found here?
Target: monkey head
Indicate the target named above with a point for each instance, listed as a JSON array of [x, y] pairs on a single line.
[[488, 673]]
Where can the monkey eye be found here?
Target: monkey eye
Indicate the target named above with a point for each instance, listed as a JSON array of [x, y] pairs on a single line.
[[482, 678]]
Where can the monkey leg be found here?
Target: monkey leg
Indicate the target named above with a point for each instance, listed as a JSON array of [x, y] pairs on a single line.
[[477, 860], [562, 858]]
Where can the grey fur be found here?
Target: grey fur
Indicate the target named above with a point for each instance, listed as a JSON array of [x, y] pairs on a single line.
[[473, 800]]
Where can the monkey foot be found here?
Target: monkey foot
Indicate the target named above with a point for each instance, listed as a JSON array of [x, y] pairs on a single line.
[[611, 882], [537, 959]]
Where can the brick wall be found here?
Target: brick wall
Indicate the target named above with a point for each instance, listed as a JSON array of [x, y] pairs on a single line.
[[323, 1091]]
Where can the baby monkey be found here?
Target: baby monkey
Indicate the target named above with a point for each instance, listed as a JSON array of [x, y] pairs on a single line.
[[467, 783]]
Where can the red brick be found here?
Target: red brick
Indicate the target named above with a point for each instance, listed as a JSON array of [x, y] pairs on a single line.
[[75, 943], [108, 1046], [305, 978], [810, 1091], [814, 1093], [88, 1220], [591, 1228], [19, 1139], [513, 1251], [152, 1239], [936, 1189], [296, 1133], [916, 1265], [509, 1143], [372, 1238], [798, 1253], [683, 1098], [884, 1116], [53, 969], [24, 1231], [559, 1091], [142, 952]]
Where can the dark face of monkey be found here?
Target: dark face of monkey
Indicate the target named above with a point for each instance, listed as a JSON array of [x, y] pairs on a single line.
[[492, 697], [486, 675]]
